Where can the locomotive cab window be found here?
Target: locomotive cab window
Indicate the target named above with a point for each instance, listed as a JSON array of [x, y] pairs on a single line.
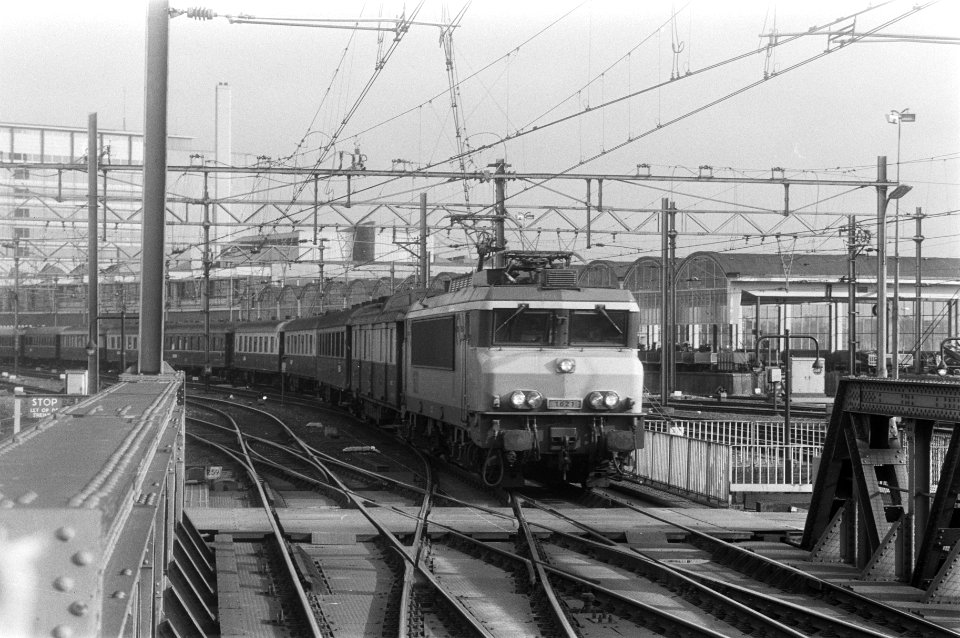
[[522, 326], [599, 327]]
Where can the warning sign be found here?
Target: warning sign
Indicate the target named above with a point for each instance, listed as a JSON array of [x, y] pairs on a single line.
[[39, 406]]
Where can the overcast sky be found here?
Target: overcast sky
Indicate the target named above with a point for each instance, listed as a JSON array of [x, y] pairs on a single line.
[[60, 61]]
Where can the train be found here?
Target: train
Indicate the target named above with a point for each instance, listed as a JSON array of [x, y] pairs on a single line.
[[509, 372]]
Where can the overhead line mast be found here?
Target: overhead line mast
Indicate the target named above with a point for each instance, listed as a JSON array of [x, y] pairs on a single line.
[[463, 144]]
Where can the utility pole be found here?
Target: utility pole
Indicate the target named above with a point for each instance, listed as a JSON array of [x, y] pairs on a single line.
[[918, 304], [851, 294], [589, 215], [424, 260], [93, 331], [665, 350], [16, 306], [672, 235], [320, 282], [500, 213], [123, 330], [882, 268], [154, 189], [207, 368]]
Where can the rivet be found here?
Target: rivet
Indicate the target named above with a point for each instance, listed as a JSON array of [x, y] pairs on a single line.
[[63, 583], [78, 608], [82, 558], [27, 497], [119, 594], [62, 631], [126, 572], [65, 533]]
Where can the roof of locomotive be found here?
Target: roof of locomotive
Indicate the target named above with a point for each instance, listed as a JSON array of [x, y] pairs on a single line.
[[522, 293]]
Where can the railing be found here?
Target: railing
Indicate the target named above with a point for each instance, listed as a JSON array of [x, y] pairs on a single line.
[[712, 460], [742, 432], [692, 467]]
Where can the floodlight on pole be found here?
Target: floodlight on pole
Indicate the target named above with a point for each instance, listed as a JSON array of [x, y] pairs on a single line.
[[883, 199], [898, 117], [899, 191]]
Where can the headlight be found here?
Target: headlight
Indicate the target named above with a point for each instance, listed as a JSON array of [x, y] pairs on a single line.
[[566, 366], [595, 400], [525, 400], [611, 400], [534, 399], [603, 400]]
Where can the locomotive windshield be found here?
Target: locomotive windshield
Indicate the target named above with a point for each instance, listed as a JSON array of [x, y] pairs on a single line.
[[525, 327], [598, 327]]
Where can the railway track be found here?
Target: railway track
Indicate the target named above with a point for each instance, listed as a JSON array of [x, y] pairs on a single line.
[[748, 407], [537, 578]]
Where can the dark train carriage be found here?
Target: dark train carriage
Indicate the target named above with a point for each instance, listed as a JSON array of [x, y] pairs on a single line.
[[185, 348], [300, 354], [73, 345], [333, 355], [6, 344], [315, 354], [257, 349], [377, 342], [120, 343], [41, 344]]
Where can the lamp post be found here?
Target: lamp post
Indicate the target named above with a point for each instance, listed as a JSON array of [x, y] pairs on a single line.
[[817, 369], [882, 201], [897, 117]]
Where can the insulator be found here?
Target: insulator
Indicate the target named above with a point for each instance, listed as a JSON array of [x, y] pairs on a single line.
[[199, 13]]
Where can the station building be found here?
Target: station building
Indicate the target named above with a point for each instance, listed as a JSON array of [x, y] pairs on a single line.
[[724, 300]]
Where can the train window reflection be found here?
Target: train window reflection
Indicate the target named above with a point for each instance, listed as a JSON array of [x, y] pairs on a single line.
[[522, 327], [598, 327]]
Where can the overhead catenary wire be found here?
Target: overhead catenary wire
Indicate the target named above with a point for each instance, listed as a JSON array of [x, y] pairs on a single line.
[[659, 126]]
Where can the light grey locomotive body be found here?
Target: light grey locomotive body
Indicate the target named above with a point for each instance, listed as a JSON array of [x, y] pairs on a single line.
[[505, 375]]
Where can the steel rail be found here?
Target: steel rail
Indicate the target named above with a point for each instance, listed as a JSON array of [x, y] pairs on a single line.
[[471, 621], [799, 581], [538, 563], [686, 579], [292, 574], [410, 567]]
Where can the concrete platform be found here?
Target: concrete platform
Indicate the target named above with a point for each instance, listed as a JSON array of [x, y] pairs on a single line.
[[344, 523]]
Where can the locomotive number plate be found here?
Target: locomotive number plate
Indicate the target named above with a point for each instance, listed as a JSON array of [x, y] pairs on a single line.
[[564, 404]]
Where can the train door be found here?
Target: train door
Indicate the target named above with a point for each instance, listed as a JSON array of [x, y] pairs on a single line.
[[463, 351], [398, 341], [228, 350]]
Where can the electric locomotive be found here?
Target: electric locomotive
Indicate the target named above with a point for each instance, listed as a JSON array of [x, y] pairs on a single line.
[[517, 368]]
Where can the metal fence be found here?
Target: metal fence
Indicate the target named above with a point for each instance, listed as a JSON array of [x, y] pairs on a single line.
[[713, 459], [802, 432]]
